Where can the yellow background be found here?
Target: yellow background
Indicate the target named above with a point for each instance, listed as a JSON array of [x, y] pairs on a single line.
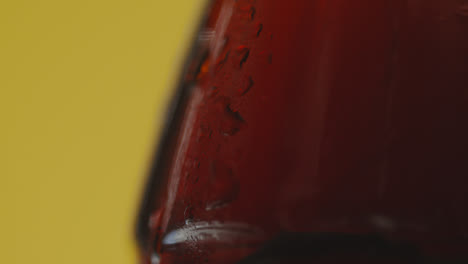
[[83, 87]]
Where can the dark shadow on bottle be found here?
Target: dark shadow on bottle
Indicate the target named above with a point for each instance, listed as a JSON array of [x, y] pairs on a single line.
[[336, 247]]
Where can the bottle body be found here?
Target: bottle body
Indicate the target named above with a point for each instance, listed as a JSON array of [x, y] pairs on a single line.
[[318, 119]]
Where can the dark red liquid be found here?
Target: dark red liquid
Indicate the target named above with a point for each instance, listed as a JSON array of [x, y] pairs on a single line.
[[337, 128]]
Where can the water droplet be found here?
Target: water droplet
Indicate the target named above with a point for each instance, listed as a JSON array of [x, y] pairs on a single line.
[[246, 10], [222, 61], [223, 56], [234, 114], [243, 52], [259, 30], [224, 186], [252, 13], [244, 58], [233, 121], [245, 86]]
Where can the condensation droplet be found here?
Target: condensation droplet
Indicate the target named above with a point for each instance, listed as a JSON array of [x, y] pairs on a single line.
[[259, 30], [252, 13], [245, 86], [222, 61], [223, 186], [234, 114], [243, 53], [246, 10], [224, 53], [233, 121], [244, 58]]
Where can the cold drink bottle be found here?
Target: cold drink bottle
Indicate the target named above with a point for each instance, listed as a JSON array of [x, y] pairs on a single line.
[[316, 131]]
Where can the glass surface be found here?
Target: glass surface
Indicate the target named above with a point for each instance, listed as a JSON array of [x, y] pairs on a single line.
[[317, 131]]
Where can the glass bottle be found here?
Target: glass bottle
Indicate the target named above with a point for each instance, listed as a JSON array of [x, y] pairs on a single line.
[[316, 131]]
